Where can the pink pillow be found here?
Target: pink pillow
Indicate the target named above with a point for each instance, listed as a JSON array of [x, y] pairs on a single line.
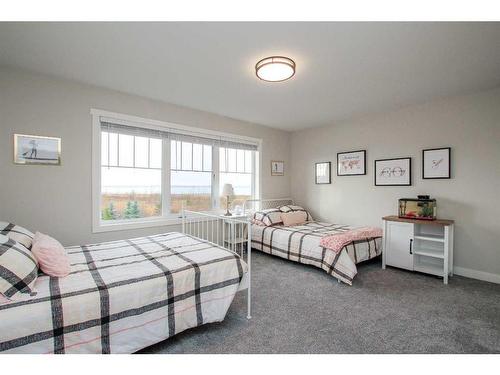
[[51, 255], [294, 218]]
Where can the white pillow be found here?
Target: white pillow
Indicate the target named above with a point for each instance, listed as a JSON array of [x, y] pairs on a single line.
[[271, 216], [18, 269], [17, 233]]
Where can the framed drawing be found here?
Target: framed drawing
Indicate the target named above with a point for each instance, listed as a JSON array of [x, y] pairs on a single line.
[[33, 149], [323, 172], [393, 172], [436, 163], [351, 163], [277, 168]]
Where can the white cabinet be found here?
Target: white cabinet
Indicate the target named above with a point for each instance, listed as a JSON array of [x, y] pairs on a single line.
[[398, 247], [416, 245]]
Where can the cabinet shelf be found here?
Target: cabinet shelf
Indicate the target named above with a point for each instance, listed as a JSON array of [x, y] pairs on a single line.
[[429, 237], [429, 252], [236, 240], [429, 268]]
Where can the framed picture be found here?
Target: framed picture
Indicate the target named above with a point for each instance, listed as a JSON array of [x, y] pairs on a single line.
[[393, 172], [33, 149], [351, 163], [436, 163], [323, 172], [277, 168]]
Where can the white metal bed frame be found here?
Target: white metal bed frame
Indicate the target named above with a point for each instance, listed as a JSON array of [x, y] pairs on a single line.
[[211, 228], [251, 205]]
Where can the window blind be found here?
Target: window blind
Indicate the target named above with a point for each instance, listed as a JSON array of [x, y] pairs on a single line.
[[177, 135]]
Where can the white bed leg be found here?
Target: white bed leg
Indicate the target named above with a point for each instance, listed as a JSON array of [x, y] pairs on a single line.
[[338, 280], [249, 264]]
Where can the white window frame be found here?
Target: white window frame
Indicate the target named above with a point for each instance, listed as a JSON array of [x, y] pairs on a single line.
[[173, 219]]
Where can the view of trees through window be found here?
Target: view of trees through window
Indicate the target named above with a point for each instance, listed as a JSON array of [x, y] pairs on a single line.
[[131, 176]]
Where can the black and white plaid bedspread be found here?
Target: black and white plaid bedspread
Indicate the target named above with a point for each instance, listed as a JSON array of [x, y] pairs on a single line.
[[301, 244], [124, 295]]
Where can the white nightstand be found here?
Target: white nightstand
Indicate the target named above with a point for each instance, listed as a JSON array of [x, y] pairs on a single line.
[[419, 245], [234, 233]]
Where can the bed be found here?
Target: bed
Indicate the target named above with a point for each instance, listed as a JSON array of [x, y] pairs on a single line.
[[125, 295], [301, 243]]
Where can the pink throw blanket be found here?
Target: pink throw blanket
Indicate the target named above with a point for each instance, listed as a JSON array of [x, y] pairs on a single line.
[[336, 242]]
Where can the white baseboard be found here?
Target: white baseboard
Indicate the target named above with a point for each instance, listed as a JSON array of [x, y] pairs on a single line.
[[474, 274]]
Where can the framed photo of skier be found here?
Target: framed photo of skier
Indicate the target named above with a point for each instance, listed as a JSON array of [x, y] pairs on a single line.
[[277, 168], [34, 149]]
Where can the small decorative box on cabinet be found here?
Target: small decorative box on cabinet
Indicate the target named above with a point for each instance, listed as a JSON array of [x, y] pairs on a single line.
[[417, 245]]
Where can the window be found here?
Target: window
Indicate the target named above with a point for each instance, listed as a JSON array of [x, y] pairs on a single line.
[[190, 176], [130, 177], [235, 167], [146, 171]]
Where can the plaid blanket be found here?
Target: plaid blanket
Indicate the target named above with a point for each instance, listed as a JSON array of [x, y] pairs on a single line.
[[124, 295], [301, 244]]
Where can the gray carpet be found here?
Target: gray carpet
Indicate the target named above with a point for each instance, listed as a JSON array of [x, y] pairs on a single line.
[[300, 309]]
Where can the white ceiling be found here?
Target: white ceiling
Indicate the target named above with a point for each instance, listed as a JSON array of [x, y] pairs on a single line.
[[343, 69]]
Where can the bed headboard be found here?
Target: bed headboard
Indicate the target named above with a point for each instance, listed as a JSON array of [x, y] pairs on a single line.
[[251, 205]]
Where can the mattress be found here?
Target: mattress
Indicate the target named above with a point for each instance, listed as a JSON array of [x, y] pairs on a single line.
[[124, 295], [301, 244]]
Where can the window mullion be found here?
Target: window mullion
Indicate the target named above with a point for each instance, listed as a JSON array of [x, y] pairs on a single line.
[[149, 152], [133, 151], [253, 169], [202, 158], [108, 146], [215, 177], [227, 160], [181, 157], [165, 174], [118, 150]]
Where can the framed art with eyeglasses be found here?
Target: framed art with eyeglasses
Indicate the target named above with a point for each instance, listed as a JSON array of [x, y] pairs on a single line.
[[393, 172]]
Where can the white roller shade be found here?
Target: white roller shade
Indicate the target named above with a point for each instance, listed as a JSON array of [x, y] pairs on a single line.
[[177, 135]]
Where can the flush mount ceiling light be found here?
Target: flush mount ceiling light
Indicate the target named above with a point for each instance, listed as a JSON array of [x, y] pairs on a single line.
[[275, 69]]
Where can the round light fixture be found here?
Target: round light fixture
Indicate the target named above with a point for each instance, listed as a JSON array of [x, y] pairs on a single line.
[[275, 69]]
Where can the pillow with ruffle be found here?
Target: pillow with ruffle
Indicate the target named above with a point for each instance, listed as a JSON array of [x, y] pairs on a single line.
[[51, 255]]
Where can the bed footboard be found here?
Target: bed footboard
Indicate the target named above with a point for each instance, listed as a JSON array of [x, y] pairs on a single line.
[[233, 234]]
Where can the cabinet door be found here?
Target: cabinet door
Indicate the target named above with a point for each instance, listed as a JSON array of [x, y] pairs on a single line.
[[399, 245]]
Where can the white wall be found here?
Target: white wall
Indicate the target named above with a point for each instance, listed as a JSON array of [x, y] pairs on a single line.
[[470, 125], [57, 200]]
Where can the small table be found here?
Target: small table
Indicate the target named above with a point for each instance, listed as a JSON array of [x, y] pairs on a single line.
[[419, 245], [235, 233]]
